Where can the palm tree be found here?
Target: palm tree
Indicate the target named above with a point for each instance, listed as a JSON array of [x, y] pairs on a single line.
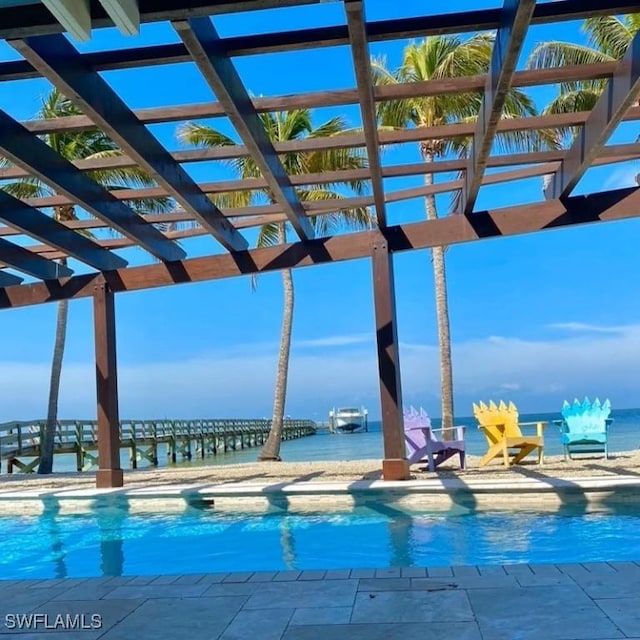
[[608, 40], [281, 127], [434, 58], [75, 146]]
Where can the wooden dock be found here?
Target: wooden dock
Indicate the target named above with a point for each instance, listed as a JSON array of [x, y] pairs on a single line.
[[184, 439]]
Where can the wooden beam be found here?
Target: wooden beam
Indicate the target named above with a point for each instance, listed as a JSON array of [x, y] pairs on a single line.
[[353, 140], [203, 43], [56, 58], [621, 92], [18, 22], [257, 221], [8, 279], [20, 258], [608, 154], [125, 15], [515, 19], [353, 174], [395, 465], [315, 99], [619, 204], [34, 20], [356, 23], [73, 15], [109, 472], [37, 158], [44, 228]]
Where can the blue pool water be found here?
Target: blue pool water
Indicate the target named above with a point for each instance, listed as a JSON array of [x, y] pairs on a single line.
[[109, 541]]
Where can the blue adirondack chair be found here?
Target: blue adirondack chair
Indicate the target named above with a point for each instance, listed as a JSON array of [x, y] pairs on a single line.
[[422, 444], [584, 427]]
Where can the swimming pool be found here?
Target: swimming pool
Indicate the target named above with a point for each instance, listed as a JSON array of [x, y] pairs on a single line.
[[109, 541]]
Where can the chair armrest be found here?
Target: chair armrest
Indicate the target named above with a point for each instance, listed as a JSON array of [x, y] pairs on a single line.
[[540, 426], [491, 424], [458, 429], [608, 422], [562, 425]]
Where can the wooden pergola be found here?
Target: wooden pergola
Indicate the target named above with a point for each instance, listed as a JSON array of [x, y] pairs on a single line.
[[45, 52]]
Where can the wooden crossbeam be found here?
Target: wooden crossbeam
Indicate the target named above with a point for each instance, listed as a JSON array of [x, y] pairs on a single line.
[[516, 16], [19, 21], [37, 158], [415, 134], [356, 23], [8, 279], [73, 15], [41, 226], [203, 43], [619, 204], [620, 93], [20, 258], [125, 15], [312, 99], [59, 61], [609, 155]]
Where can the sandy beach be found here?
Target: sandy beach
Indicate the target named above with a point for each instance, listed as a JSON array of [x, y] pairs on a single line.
[[621, 463]]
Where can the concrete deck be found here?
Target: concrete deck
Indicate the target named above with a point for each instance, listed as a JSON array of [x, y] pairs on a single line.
[[527, 602]]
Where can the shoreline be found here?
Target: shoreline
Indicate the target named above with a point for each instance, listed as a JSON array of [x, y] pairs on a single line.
[[622, 463]]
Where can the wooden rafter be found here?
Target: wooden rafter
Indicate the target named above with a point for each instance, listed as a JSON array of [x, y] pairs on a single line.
[[20, 258], [362, 63], [619, 204], [37, 158], [56, 58], [203, 43], [621, 91], [316, 99], [610, 154], [125, 15], [17, 22], [44, 228], [516, 16], [348, 140], [9, 280], [259, 219]]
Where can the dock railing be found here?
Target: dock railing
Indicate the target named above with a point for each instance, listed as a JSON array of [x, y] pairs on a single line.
[[184, 439]]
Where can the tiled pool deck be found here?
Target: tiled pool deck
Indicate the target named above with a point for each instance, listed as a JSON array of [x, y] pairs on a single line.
[[515, 602], [523, 602]]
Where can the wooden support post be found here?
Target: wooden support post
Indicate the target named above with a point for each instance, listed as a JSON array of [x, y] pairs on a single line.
[[109, 472], [395, 465]]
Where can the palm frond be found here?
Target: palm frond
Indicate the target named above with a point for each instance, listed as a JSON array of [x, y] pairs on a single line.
[[610, 35], [28, 187], [342, 218]]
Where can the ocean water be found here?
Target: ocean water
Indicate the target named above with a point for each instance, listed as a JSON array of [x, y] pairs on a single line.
[[624, 435]]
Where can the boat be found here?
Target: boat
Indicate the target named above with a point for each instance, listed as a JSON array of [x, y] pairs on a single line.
[[348, 420]]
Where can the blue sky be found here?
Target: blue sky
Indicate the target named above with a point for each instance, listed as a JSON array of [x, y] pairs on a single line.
[[534, 319]]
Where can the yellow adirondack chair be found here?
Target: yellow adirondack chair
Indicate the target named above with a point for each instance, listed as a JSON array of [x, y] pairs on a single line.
[[502, 430]]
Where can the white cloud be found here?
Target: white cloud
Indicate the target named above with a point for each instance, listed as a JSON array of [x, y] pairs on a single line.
[[238, 381], [335, 341], [584, 327]]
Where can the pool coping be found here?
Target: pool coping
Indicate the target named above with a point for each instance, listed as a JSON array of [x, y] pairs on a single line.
[[592, 486]]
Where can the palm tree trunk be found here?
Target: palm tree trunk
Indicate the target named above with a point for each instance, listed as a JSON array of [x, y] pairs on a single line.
[[442, 316], [271, 448], [48, 438]]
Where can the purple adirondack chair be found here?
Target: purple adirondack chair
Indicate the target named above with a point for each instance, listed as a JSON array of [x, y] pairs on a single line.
[[423, 446]]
